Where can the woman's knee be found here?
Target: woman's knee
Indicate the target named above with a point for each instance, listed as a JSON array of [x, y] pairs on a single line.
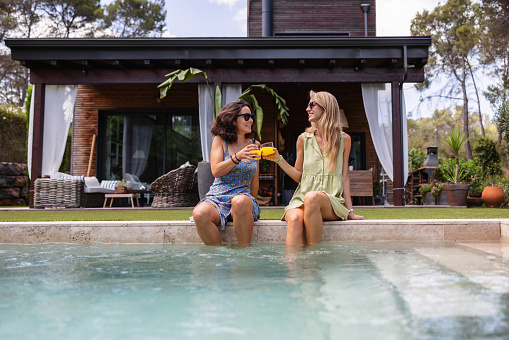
[[241, 202], [313, 198], [295, 220], [202, 214]]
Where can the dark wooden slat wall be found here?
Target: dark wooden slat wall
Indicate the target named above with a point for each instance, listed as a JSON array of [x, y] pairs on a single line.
[[314, 16], [91, 98]]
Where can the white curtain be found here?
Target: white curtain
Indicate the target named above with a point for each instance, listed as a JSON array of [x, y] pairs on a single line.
[[206, 117], [229, 92], [378, 106], [136, 144], [58, 112]]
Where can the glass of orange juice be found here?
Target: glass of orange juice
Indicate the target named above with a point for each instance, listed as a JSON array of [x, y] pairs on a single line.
[[256, 154], [268, 149]]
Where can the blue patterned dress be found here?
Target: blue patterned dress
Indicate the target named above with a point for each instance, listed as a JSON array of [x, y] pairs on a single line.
[[236, 182]]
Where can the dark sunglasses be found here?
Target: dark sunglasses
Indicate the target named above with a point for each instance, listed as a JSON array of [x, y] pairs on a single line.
[[311, 104], [247, 116]]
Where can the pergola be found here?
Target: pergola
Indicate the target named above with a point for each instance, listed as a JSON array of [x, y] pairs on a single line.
[[308, 59]]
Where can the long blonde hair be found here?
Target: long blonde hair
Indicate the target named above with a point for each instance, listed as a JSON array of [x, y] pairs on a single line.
[[328, 126]]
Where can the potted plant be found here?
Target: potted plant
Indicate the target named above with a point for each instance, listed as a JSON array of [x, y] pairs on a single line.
[[121, 187], [492, 194], [437, 191], [456, 192]]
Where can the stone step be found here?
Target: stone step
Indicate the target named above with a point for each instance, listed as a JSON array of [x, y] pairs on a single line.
[[459, 230]]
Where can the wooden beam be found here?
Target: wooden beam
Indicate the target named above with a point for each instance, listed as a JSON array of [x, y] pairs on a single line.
[[37, 137], [397, 147], [360, 65], [247, 75]]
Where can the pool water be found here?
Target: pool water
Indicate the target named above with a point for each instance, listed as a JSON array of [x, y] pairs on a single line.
[[341, 290]]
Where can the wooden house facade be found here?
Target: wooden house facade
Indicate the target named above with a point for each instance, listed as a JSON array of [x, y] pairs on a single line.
[[118, 78]]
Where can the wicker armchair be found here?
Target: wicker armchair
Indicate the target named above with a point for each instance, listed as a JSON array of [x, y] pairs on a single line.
[[57, 193], [177, 188]]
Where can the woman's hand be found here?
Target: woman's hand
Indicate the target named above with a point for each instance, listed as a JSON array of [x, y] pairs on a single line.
[[273, 157], [245, 154]]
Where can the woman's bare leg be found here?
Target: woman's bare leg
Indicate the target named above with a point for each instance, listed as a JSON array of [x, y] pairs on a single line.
[[243, 221], [317, 207], [206, 218], [295, 226]]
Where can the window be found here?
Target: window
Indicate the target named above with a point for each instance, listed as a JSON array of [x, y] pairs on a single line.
[[146, 143], [357, 157]]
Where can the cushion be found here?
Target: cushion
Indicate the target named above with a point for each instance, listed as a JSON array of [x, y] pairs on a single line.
[[92, 186], [92, 182], [61, 175], [109, 184]]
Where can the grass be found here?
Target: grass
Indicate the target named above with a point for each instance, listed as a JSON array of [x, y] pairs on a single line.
[[266, 214]]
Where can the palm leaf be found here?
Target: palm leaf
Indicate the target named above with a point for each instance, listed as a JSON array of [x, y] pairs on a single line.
[[182, 75], [218, 101]]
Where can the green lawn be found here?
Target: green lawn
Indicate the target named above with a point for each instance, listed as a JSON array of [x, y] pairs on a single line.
[[267, 214]]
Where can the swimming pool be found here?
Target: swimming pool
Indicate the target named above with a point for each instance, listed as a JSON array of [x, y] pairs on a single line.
[[340, 290]]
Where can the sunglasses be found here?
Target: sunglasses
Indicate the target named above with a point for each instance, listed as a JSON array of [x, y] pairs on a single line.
[[247, 116], [311, 104]]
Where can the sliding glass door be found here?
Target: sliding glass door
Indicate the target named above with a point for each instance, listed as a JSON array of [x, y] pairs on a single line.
[[146, 143]]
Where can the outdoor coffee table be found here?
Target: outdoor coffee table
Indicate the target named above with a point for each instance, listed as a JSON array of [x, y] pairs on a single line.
[[128, 195]]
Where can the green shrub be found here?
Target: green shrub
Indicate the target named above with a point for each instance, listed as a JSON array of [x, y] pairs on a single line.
[[13, 134], [487, 155], [416, 158]]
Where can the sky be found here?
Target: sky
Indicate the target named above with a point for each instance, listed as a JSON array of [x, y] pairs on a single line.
[[228, 18]]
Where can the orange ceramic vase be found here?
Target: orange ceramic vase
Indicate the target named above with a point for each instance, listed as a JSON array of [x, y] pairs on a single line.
[[493, 197]]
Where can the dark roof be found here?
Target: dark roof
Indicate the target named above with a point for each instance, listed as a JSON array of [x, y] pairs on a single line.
[[220, 53]]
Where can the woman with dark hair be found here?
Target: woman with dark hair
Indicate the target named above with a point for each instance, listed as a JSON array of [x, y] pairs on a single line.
[[321, 169], [236, 185]]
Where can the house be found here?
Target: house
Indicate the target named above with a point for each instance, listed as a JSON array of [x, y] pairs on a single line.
[[116, 96]]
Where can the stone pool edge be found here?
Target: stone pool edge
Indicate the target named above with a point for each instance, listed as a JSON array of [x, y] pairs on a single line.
[[176, 232]]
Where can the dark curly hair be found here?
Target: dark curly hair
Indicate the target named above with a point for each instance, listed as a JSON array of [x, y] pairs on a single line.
[[223, 125]]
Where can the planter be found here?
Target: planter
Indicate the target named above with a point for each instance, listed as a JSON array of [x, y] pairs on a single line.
[[428, 199], [442, 200], [493, 197], [457, 194]]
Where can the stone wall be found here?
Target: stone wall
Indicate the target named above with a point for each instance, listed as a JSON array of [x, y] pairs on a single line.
[[13, 184]]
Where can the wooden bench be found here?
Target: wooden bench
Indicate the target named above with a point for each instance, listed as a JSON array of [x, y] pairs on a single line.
[[361, 184]]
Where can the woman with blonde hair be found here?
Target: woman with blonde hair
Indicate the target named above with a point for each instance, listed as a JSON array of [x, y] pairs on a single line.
[[321, 169]]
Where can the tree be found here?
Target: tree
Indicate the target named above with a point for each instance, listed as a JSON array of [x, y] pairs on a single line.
[[494, 48], [454, 35], [69, 16], [136, 18]]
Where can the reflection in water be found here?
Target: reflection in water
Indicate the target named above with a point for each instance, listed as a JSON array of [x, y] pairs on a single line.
[[350, 290]]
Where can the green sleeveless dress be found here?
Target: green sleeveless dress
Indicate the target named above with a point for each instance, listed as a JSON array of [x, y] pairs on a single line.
[[316, 177]]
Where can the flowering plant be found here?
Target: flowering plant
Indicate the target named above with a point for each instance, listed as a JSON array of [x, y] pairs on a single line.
[[436, 189], [264, 192]]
